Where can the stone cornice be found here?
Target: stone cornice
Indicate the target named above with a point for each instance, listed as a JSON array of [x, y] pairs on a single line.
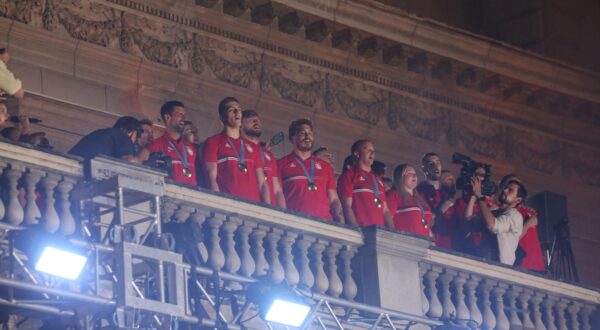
[[455, 44]]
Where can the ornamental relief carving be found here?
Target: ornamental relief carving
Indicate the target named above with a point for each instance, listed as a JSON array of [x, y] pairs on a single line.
[[357, 100], [101, 33], [294, 82], [423, 119], [583, 163], [25, 11], [533, 150], [478, 135], [226, 62]]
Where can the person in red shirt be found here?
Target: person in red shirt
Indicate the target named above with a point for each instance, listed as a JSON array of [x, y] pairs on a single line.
[[529, 242], [251, 131], [410, 210], [362, 192], [231, 164], [308, 181], [174, 146]]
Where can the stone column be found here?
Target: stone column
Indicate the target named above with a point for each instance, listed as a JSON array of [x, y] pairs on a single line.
[[389, 263]]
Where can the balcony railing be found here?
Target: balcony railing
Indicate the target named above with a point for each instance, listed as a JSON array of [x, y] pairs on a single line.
[[365, 271]]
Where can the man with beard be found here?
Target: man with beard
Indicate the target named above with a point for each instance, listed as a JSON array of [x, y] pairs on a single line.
[[231, 163], [174, 146], [362, 192], [532, 257], [147, 135], [505, 222], [251, 131], [308, 181], [441, 197]]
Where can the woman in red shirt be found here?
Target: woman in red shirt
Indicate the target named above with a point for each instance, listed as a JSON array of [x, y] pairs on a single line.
[[411, 212]]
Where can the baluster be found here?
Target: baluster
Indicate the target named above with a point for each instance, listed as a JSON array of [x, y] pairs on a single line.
[[489, 319], [435, 306], [197, 220], [513, 316], [232, 260], [335, 283], [586, 320], [547, 306], [560, 309], [216, 257], [321, 281], [449, 311], [524, 298], [292, 277], [474, 311], [50, 218], [307, 278], [349, 285], [179, 217], [536, 312], [258, 234], [424, 301], [501, 319], [14, 211], [32, 213], [276, 273], [247, 262], [573, 310], [462, 312], [182, 214], [67, 224]]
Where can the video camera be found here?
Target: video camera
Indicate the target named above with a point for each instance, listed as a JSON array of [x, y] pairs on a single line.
[[160, 161], [488, 187]]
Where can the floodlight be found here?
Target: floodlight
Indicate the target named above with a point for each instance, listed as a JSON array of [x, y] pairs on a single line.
[[60, 263], [287, 312], [278, 303]]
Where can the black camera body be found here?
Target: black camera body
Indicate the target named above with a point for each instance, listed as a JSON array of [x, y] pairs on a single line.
[[160, 161], [488, 187]]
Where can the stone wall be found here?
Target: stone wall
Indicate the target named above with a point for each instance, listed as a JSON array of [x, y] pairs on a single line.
[[90, 61]]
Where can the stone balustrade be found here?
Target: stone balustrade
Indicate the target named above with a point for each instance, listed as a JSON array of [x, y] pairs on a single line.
[[375, 266], [499, 297]]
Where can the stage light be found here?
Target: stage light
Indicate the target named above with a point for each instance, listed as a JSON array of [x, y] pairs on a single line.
[[286, 312], [278, 303], [60, 263]]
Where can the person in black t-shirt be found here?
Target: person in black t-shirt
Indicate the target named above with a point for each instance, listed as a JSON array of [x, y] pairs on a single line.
[[117, 142]]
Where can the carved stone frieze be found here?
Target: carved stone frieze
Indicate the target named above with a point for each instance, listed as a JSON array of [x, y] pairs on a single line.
[[423, 119], [98, 32], [535, 151], [165, 44], [478, 135], [582, 162], [357, 100], [227, 62], [24, 11], [294, 82]]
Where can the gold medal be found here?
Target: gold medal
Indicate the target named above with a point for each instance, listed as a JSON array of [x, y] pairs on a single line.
[[187, 172], [243, 167], [312, 186], [378, 202]]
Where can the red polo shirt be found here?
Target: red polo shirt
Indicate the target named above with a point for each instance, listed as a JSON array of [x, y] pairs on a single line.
[[447, 226], [359, 185], [407, 213], [295, 185], [230, 178], [162, 144], [530, 243], [270, 166]]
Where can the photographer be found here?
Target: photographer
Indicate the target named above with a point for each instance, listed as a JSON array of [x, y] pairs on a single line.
[[505, 222]]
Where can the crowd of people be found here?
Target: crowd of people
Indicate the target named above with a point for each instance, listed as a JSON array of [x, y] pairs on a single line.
[[235, 162]]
